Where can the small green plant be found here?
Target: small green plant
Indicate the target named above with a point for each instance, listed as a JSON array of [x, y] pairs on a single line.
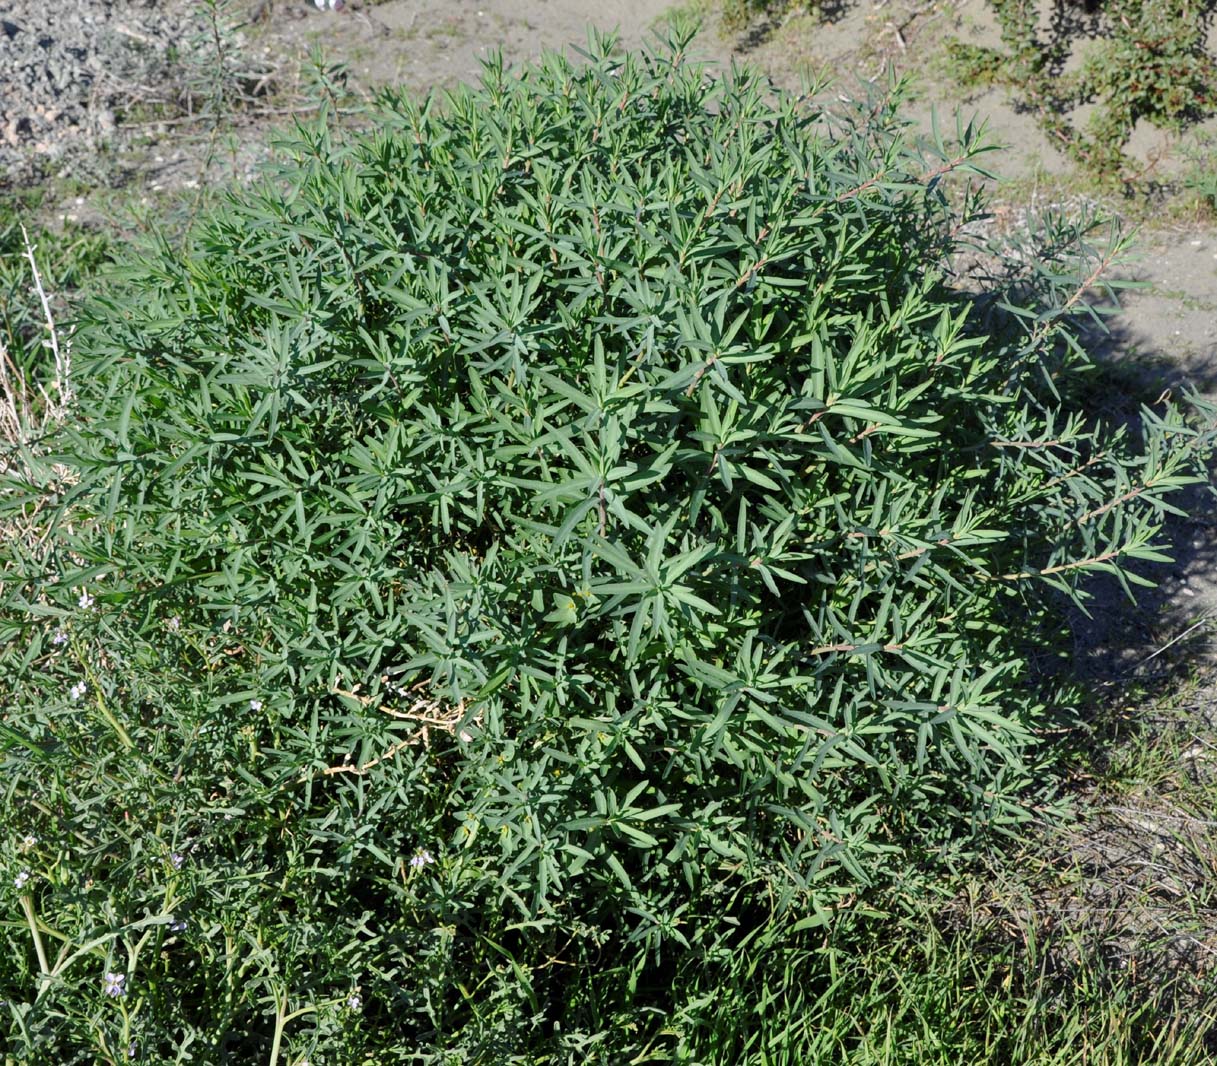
[[736, 14], [974, 65], [524, 554], [1201, 176]]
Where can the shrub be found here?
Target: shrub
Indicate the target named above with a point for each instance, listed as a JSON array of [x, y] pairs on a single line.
[[519, 555]]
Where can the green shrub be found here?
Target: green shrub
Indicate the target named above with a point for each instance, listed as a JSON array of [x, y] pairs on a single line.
[[508, 559]]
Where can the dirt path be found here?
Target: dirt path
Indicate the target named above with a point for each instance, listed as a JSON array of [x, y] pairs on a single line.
[[423, 45]]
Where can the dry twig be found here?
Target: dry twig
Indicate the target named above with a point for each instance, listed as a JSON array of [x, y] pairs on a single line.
[[427, 711]]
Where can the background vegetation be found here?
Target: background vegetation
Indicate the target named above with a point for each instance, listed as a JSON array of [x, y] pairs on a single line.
[[561, 579], [1126, 61], [1092, 73]]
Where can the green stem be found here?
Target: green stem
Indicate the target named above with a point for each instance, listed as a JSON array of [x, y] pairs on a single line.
[[280, 1022], [106, 713], [27, 904], [115, 724]]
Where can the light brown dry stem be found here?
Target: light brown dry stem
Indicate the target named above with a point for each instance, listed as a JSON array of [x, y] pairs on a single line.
[[425, 710]]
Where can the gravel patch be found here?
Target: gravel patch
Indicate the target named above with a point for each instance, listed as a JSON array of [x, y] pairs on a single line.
[[70, 70]]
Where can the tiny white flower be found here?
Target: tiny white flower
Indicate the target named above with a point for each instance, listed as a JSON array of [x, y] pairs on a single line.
[[78, 690], [116, 985], [59, 638], [177, 859], [173, 624], [354, 1001], [421, 858], [255, 705], [29, 840], [21, 879], [85, 603]]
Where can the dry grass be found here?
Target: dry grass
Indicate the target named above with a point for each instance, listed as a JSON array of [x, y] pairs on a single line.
[[24, 415], [29, 411]]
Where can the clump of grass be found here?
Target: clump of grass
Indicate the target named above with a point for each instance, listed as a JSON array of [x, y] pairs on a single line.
[[972, 65], [36, 386], [736, 14], [1200, 179], [28, 411], [922, 989]]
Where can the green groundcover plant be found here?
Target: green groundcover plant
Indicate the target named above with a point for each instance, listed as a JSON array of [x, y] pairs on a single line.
[[548, 545]]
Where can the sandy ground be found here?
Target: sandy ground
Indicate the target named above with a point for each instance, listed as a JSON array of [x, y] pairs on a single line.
[[422, 45]]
